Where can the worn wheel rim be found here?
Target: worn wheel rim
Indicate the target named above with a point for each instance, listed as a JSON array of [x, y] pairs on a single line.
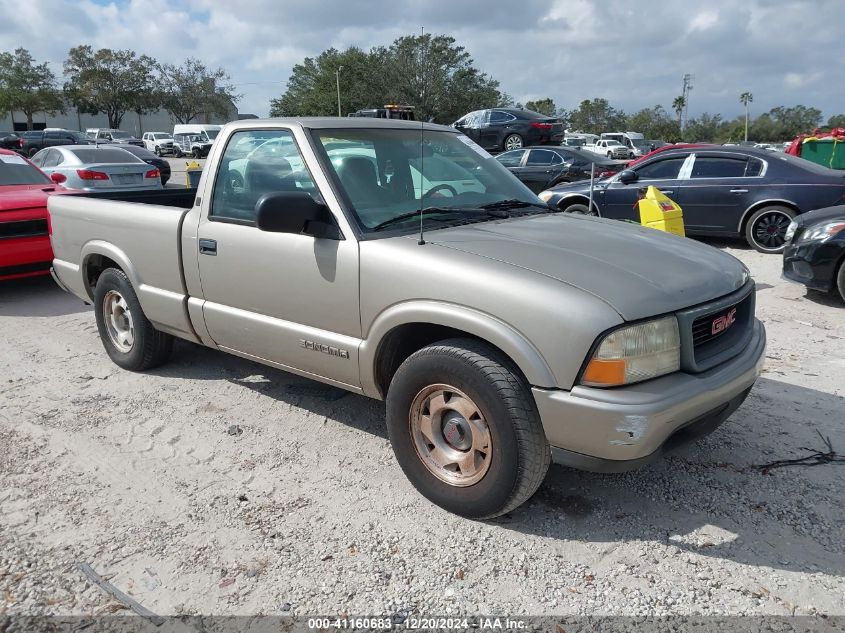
[[513, 142], [450, 435], [770, 229], [118, 320]]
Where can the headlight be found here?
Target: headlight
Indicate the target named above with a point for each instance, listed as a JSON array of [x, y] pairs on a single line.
[[635, 353], [790, 230], [821, 231], [545, 196]]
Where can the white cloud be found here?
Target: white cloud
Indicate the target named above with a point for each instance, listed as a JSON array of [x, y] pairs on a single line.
[[632, 53]]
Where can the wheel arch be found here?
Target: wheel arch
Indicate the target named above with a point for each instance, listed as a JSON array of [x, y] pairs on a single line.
[[577, 198], [97, 256], [772, 202], [406, 328]]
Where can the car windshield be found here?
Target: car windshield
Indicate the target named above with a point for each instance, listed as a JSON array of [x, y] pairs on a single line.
[[101, 154], [385, 172], [14, 170]]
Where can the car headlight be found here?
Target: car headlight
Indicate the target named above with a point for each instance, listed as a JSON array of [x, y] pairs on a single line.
[[545, 196], [820, 231], [635, 353]]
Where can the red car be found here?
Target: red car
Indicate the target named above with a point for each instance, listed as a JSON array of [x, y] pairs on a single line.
[[24, 224]]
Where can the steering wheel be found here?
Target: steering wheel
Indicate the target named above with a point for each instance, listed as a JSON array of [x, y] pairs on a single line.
[[441, 187]]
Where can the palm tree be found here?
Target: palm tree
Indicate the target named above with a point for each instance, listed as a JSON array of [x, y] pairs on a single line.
[[678, 106], [745, 98]]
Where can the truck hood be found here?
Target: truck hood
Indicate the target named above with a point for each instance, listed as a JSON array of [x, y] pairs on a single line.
[[639, 272]]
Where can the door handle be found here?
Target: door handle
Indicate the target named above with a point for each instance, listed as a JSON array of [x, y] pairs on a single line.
[[666, 191], [739, 190], [208, 247]]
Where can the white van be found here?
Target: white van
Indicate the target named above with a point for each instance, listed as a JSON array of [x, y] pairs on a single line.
[[206, 133], [634, 141]]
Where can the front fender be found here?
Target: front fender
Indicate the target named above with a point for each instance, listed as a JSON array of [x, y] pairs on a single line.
[[480, 324]]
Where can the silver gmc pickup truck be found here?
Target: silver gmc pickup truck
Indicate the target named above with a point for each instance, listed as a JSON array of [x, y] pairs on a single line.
[[400, 261]]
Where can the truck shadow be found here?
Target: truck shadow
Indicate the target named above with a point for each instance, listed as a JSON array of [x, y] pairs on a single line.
[[711, 498], [707, 498], [37, 297]]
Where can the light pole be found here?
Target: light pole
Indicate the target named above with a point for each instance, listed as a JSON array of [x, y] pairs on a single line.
[[337, 77]]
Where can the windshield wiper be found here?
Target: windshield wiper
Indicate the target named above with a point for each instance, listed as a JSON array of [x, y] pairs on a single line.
[[494, 212], [513, 203]]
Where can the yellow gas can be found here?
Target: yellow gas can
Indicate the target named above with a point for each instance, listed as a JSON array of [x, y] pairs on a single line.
[[660, 212]]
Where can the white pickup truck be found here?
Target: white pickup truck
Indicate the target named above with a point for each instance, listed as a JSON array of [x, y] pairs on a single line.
[[507, 335]]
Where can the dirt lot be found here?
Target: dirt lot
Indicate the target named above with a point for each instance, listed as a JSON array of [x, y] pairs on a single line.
[[218, 486]]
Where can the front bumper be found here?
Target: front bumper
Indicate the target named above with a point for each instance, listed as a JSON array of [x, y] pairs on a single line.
[[612, 430], [812, 263]]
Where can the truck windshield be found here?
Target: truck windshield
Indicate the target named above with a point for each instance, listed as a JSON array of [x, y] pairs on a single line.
[[212, 134], [385, 172]]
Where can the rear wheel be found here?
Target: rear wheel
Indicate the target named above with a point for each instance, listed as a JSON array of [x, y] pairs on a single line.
[[765, 230], [465, 430], [129, 338], [579, 209], [512, 141]]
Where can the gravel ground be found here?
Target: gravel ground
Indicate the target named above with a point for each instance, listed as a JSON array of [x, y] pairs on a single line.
[[214, 485]]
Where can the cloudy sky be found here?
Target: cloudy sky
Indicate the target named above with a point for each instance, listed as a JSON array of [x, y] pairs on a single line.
[[632, 52]]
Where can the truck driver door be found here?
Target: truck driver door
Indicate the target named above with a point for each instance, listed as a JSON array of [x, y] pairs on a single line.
[[284, 298]]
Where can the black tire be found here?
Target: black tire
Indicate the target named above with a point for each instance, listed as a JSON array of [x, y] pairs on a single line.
[[177, 152], [840, 280], [32, 151], [519, 453], [512, 141], [157, 150], [765, 230], [579, 209], [610, 155], [149, 347], [195, 153]]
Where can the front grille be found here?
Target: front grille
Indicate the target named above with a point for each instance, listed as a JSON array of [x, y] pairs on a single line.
[[716, 331], [22, 228]]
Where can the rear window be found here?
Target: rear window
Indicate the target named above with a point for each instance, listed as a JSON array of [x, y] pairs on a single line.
[[14, 170], [105, 155]]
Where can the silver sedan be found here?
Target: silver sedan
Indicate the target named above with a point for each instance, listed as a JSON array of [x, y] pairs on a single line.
[[96, 168]]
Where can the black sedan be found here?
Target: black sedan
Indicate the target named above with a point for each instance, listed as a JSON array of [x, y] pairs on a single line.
[[148, 157], [501, 129], [10, 140], [542, 167], [723, 191], [815, 250]]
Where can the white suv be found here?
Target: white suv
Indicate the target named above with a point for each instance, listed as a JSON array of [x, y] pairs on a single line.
[[158, 142]]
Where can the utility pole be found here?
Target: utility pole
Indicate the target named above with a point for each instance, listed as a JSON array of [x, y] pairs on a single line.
[[688, 79], [337, 77]]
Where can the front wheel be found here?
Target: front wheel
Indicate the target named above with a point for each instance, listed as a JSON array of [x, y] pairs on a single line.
[[129, 338], [157, 150], [580, 209], [765, 230], [512, 141], [840, 280], [465, 429]]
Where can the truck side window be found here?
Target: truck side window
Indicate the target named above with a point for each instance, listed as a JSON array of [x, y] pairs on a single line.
[[272, 164]]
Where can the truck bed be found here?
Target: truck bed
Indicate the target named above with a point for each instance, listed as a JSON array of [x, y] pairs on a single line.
[[140, 232]]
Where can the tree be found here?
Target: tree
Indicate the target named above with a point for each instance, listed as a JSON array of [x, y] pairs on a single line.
[[429, 72], [705, 128], [793, 121], [678, 105], [837, 120], [596, 116], [27, 87], [745, 98], [114, 82], [654, 123], [543, 106], [192, 89], [312, 86]]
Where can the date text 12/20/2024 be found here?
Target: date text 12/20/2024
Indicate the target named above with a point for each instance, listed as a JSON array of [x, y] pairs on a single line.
[[413, 623]]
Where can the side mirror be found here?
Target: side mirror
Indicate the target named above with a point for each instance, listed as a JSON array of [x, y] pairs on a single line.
[[58, 178], [627, 176], [295, 212]]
